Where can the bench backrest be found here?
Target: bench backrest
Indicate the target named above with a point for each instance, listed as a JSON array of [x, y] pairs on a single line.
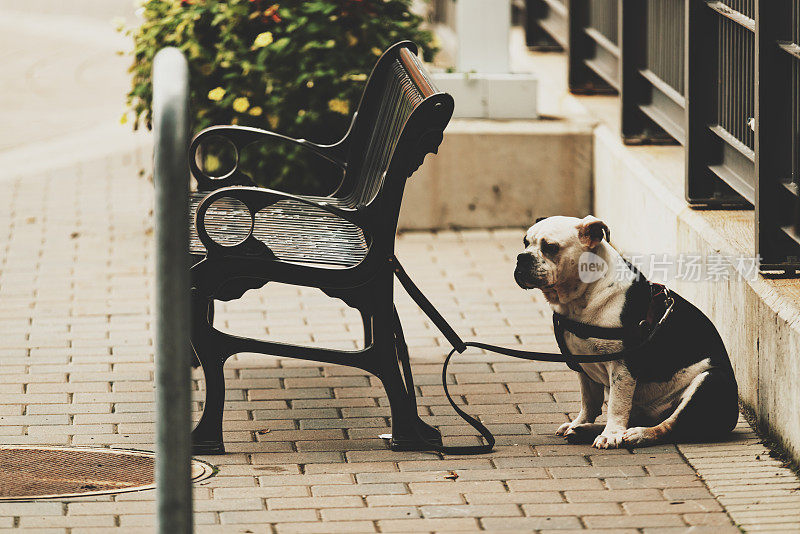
[[400, 119]]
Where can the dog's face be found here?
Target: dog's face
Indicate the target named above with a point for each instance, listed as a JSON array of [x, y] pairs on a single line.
[[553, 247]]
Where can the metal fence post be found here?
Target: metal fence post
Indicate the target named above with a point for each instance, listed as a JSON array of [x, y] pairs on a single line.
[[172, 341]]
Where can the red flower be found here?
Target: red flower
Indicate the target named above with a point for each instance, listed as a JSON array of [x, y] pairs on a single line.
[[272, 13]]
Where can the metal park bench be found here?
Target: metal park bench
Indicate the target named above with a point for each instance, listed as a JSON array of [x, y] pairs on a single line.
[[244, 237]]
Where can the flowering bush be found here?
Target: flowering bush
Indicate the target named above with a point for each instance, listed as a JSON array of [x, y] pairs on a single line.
[[297, 67]]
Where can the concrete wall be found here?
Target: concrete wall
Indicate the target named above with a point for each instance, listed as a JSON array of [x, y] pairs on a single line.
[[502, 173], [757, 319]]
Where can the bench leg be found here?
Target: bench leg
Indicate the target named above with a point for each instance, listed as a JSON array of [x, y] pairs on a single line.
[[409, 431], [210, 319], [207, 435]]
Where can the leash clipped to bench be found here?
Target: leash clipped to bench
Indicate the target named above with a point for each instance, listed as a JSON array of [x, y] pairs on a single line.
[[560, 325]]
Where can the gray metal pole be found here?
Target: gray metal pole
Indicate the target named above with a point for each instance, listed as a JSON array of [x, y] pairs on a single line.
[[172, 342]]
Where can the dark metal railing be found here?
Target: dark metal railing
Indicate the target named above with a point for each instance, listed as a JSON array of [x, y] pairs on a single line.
[[594, 57], [665, 33], [653, 74], [722, 78], [546, 26], [736, 75], [603, 18], [777, 134], [721, 98]]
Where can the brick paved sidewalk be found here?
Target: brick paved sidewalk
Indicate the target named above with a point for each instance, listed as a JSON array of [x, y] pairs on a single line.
[[304, 456]]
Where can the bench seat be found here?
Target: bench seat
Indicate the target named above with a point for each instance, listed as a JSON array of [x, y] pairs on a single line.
[[295, 232]]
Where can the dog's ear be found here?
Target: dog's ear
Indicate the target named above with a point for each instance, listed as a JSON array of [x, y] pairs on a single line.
[[539, 219], [592, 230]]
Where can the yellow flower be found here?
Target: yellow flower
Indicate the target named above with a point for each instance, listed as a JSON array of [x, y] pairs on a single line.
[[255, 111], [339, 106], [301, 113], [216, 94], [310, 84], [357, 77], [262, 40], [377, 51], [241, 104], [273, 121], [352, 40], [124, 118]]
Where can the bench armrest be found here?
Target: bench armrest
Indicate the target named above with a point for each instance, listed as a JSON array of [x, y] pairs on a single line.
[[240, 137], [256, 199]]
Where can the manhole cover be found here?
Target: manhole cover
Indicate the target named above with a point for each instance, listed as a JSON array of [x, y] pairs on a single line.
[[49, 472]]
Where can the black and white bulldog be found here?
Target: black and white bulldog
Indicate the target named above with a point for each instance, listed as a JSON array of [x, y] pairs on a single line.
[[681, 387]]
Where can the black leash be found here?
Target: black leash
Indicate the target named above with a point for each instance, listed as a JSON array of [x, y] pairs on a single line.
[[560, 324]]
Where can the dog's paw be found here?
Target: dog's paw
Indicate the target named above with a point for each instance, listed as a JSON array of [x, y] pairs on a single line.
[[577, 433], [638, 436], [563, 429], [609, 439]]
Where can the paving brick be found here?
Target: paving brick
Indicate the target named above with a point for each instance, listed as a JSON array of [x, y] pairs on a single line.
[[288, 503], [332, 527], [227, 505], [296, 457], [353, 422], [439, 465], [358, 489], [344, 445], [264, 516], [678, 481], [487, 486], [672, 507], [715, 529], [718, 518], [636, 459], [386, 455], [465, 524], [517, 497], [414, 500], [541, 461], [370, 514], [639, 521], [351, 467], [471, 510], [576, 509], [614, 495], [597, 472], [306, 479], [63, 521], [260, 492], [669, 469], [676, 494], [520, 524], [10, 509]]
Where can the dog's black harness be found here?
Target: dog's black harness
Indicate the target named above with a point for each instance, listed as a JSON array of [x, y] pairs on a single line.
[[661, 304]]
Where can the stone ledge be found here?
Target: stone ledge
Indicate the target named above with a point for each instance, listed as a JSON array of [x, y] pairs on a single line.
[[491, 173]]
